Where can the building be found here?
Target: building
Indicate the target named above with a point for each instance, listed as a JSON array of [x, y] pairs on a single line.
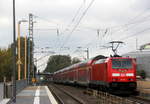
[[143, 60]]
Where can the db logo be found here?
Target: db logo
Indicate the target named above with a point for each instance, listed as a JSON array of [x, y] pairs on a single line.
[[123, 75]]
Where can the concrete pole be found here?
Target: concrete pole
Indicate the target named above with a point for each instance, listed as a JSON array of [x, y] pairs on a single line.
[[87, 53], [136, 43], [25, 55]]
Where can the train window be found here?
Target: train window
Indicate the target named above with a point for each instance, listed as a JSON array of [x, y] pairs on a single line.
[[121, 63]]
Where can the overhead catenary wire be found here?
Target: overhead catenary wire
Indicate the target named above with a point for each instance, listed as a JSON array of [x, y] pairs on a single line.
[[129, 26], [135, 34], [126, 24], [106, 30], [51, 22], [74, 28], [57, 43], [132, 19], [123, 27], [68, 24], [102, 33], [132, 22], [74, 17], [128, 37], [48, 28], [125, 38]]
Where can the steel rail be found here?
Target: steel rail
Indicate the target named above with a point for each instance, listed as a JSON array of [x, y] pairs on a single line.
[[59, 100], [70, 95]]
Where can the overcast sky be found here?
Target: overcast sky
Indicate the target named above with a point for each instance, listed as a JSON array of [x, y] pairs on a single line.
[[124, 20]]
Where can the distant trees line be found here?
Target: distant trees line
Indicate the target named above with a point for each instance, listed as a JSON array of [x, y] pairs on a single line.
[[57, 62]]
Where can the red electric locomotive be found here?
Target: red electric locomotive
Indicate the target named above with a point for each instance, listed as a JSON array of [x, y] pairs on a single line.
[[113, 74]]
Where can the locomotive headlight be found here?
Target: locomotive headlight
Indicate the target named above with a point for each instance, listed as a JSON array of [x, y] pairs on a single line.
[[129, 74], [41, 78], [115, 74]]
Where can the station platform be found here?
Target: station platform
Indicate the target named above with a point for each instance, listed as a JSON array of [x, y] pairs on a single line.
[[35, 95]]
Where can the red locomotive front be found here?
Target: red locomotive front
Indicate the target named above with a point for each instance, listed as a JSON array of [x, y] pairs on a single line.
[[122, 73], [114, 74]]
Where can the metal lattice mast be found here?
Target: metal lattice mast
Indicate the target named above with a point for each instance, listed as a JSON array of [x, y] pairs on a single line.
[[30, 47]]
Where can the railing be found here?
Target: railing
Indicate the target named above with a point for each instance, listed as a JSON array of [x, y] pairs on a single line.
[[145, 95], [106, 98]]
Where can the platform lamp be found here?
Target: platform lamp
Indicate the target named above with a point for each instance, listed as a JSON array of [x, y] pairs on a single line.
[[19, 52]]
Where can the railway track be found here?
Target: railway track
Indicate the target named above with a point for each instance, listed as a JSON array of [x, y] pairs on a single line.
[[113, 99], [64, 97], [101, 97], [138, 100]]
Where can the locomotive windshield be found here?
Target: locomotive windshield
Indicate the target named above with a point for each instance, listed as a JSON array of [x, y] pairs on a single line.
[[121, 63]]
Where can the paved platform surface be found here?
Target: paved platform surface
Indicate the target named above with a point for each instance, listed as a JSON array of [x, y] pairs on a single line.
[[35, 95], [143, 86]]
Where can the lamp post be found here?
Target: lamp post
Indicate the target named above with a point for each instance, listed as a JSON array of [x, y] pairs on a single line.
[[19, 52], [14, 56]]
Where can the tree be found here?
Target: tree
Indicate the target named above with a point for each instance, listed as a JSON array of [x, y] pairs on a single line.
[[6, 55], [6, 63], [75, 60], [57, 62], [143, 74]]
